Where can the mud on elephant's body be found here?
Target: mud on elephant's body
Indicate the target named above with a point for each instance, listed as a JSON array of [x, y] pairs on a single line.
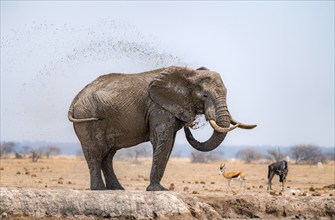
[[122, 110]]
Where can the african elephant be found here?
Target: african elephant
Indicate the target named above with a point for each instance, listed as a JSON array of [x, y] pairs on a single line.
[[122, 110]]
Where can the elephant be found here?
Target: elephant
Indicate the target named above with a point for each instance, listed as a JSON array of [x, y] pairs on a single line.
[[118, 111]]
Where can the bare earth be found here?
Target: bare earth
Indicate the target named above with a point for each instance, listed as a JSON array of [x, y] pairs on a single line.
[[190, 179]]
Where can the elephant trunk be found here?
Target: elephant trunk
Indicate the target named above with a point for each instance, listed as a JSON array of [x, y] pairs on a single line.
[[220, 125]]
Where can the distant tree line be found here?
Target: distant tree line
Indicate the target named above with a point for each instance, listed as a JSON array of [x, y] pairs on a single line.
[[205, 157], [301, 154], [34, 153], [310, 154], [134, 153]]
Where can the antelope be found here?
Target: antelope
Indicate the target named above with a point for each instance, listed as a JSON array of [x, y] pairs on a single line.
[[230, 175], [278, 168]]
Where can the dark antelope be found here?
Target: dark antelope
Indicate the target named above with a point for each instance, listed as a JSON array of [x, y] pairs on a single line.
[[278, 168]]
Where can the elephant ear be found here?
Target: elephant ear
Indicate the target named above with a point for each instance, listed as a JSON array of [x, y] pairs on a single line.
[[172, 91]]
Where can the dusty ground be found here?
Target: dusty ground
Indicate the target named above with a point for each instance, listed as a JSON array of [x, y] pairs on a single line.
[[201, 180], [194, 178]]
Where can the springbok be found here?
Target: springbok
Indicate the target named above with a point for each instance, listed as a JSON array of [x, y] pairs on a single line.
[[278, 168], [230, 175]]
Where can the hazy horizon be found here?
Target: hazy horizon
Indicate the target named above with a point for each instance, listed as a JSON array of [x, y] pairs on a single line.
[[275, 58]]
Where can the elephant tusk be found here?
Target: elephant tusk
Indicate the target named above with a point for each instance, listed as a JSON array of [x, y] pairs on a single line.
[[221, 129], [241, 125]]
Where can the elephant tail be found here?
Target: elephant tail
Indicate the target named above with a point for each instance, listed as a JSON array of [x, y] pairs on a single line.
[[75, 120]]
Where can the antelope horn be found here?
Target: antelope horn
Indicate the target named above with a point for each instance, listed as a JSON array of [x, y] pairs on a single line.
[[240, 125], [222, 166], [221, 129]]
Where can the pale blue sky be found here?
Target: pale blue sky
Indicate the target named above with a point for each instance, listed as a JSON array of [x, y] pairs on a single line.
[[276, 59]]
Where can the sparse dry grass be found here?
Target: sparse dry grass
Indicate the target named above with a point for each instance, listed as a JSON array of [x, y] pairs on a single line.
[[192, 178]]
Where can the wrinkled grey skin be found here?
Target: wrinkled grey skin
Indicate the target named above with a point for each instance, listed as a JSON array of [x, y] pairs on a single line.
[[122, 110]]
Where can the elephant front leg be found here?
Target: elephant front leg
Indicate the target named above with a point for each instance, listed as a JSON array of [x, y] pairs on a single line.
[[163, 129], [162, 147], [161, 154]]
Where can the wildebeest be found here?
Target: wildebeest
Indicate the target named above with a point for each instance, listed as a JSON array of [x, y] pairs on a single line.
[[278, 168]]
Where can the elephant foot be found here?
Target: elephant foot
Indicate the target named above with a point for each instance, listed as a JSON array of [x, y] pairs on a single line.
[[113, 185], [116, 188], [156, 187], [98, 188]]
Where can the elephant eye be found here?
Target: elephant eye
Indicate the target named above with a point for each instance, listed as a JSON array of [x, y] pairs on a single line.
[[205, 95]]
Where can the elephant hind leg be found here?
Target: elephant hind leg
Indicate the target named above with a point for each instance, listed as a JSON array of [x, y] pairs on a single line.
[[94, 163], [96, 177], [108, 171], [95, 148]]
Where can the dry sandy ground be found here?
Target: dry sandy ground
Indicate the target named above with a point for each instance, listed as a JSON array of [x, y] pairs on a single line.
[[187, 177], [201, 180]]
